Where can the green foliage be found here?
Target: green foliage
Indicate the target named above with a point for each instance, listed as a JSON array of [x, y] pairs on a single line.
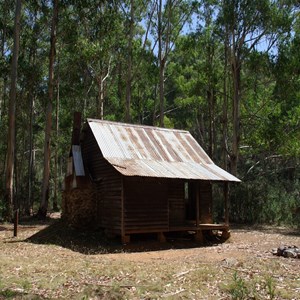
[[92, 44], [238, 289], [266, 201], [270, 287], [251, 288]]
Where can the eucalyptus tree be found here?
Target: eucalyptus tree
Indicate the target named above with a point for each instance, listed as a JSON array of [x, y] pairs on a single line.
[[6, 32], [9, 186], [194, 89], [32, 75], [131, 21], [48, 127], [167, 24], [245, 25], [136, 34], [7, 9], [99, 41], [285, 140]]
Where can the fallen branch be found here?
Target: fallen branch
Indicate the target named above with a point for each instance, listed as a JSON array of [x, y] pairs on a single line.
[[173, 294], [127, 286], [182, 273]]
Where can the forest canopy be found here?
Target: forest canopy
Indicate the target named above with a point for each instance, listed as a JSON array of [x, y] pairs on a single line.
[[228, 71]]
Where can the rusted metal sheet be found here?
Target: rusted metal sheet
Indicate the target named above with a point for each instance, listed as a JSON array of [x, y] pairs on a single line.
[[135, 150]]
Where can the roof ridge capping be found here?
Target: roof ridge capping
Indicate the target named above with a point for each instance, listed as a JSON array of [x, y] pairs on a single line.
[[136, 125]]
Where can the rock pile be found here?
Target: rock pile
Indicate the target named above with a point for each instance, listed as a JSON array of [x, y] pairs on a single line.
[[287, 251]]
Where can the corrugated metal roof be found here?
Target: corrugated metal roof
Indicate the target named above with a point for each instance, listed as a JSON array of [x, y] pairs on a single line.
[[136, 150]]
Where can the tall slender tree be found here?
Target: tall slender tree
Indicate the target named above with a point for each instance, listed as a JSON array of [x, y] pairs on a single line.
[[47, 145], [171, 16], [246, 23], [9, 193], [129, 71]]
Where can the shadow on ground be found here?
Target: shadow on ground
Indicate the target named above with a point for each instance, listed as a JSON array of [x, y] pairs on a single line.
[[95, 242]]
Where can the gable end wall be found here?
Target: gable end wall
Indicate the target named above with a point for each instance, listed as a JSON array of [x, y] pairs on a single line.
[[108, 183]]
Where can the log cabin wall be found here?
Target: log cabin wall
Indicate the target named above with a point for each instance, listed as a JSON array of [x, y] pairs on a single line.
[[205, 205], [109, 185], [145, 205], [176, 199]]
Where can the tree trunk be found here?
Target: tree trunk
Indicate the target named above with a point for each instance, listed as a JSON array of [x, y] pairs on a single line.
[[211, 110], [31, 99], [3, 40], [9, 198], [225, 104], [129, 72], [55, 199], [236, 115], [161, 66], [29, 201], [47, 150], [100, 110], [161, 93]]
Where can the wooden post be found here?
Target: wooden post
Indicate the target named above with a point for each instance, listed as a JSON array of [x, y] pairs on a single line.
[[125, 239], [199, 236], [161, 237], [226, 200], [16, 222], [197, 205]]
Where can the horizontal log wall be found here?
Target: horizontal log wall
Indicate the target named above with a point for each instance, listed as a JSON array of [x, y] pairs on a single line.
[[205, 190], [176, 202], [145, 205]]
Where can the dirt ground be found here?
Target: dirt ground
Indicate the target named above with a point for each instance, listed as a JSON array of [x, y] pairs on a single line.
[[83, 265]]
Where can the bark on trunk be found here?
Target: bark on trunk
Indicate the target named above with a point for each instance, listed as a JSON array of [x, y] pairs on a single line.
[[9, 198], [225, 105], [161, 93], [161, 66], [129, 73], [47, 150], [55, 199], [211, 109], [236, 117], [29, 202], [100, 110]]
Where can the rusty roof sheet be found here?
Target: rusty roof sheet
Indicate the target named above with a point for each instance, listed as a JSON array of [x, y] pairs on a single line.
[[138, 150]]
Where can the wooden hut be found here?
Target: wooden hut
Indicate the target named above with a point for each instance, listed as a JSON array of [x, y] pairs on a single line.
[[130, 179]]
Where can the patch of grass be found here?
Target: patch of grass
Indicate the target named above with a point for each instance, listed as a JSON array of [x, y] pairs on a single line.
[[270, 287], [238, 289], [258, 287], [8, 294], [15, 294]]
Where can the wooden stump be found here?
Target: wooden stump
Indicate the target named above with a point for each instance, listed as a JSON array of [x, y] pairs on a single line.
[[125, 239], [199, 236], [225, 235], [161, 237]]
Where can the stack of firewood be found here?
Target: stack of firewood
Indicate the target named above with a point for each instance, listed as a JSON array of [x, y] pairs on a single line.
[[287, 251], [80, 207]]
